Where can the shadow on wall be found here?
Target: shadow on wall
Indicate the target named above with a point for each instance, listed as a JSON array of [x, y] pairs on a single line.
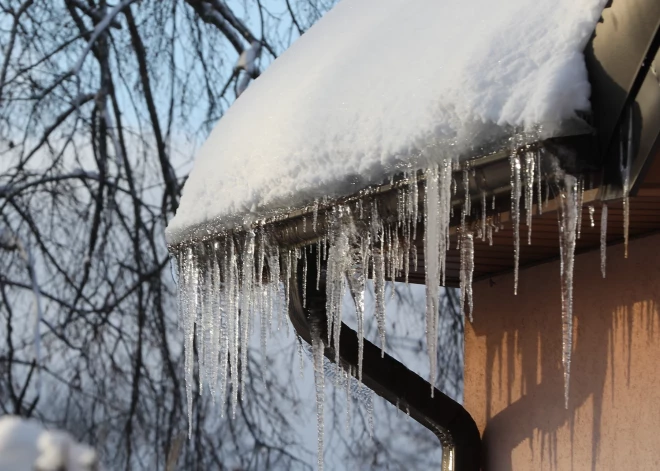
[[613, 415], [615, 321]]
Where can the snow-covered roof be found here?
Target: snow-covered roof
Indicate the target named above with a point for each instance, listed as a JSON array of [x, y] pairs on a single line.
[[377, 85]]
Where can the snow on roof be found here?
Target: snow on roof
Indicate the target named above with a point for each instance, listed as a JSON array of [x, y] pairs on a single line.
[[380, 84]]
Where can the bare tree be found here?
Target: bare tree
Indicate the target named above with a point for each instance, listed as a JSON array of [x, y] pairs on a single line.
[[102, 105]]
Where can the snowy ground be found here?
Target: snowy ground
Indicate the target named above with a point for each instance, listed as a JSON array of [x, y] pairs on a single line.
[[26, 446]]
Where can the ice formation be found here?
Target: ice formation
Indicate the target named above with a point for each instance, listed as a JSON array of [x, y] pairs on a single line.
[[603, 240], [467, 270], [515, 215], [231, 280], [329, 144], [568, 214], [319, 385], [626, 154]]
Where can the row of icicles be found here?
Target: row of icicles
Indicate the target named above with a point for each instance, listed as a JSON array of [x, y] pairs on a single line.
[[227, 282]]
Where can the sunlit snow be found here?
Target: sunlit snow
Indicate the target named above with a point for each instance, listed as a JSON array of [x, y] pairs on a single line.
[[376, 84]]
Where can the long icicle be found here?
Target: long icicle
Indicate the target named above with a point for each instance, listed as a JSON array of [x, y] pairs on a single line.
[[378, 270], [432, 239], [356, 283], [319, 386], [568, 217], [188, 307], [246, 303], [603, 240], [515, 215], [530, 164], [625, 177], [466, 273]]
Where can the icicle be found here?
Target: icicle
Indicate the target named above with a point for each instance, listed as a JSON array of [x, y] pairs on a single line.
[[490, 233], [568, 218], [287, 274], [515, 215], [186, 292], [444, 217], [467, 270], [340, 259], [492, 204], [225, 323], [304, 277], [261, 261], [348, 397], [315, 214], [378, 261], [378, 271], [539, 182], [603, 240], [319, 385], [246, 303], [198, 253], [300, 357], [415, 206], [216, 329], [580, 198], [275, 277], [389, 261], [483, 215], [591, 215], [324, 248], [432, 242], [529, 193], [356, 282], [206, 316], [414, 256], [400, 206], [466, 203], [233, 322], [625, 178], [370, 414]]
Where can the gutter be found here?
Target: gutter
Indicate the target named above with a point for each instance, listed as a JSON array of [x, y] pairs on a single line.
[[624, 65]]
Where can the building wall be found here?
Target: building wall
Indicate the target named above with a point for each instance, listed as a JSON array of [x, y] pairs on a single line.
[[514, 378]]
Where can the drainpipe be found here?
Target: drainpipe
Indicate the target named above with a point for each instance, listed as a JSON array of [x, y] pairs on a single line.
[[390, 379]]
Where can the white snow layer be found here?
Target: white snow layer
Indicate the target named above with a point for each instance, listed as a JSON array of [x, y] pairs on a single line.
[[377, 85], [25, 445]]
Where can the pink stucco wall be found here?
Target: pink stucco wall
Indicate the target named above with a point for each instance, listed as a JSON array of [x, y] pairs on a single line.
[[514, 379]]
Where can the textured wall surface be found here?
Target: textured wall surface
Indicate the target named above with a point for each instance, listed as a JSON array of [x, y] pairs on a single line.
[[514, 379]]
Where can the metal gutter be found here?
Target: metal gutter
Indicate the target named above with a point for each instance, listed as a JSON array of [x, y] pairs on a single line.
[[622, 63]]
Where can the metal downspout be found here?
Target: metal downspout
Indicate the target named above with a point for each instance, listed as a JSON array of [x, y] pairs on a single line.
[[390, 379]]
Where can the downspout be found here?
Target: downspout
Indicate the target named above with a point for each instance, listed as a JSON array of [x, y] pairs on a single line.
[[390, 379]]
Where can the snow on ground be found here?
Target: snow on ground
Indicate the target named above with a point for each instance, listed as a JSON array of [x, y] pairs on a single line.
[[377, 84], [26, 446]]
